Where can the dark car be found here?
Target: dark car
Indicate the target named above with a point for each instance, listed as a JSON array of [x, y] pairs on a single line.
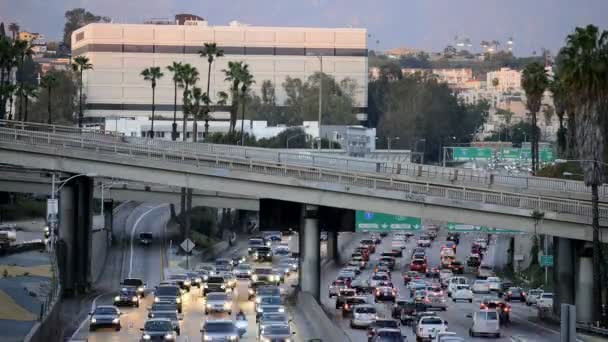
[[145, 238], [388, 335], [385, 293], [266, 274], [457, 267], [158, 329], [182, 280], [105, 316], [433, 273], [137, 283], [263, 254], [473, 260], [369, 243], [169, 294], [255, 286], [515, 294], [454, 237], [389, 261], [349, 305], [342, 295], [214, 284], [406, 309], [418, 265], [127, 297], [503, 309], [161, 307], [380, 324]]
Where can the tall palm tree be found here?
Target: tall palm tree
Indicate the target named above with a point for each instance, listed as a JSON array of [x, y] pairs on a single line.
[[234, 75], [48, 82], [189, 77], [152, 74], [20, 50], [79, 65], [211, 52], [27, 92], [14, 28], [535, 82], [584, 73], [246, 82], [197, 100], [176, 69], [6, 61], [10, 90]]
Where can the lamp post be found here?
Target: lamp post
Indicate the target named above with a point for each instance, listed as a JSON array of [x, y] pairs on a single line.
[[320, 57], [389, 139]]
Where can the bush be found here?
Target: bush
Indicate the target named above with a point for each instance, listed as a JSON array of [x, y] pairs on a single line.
[[24, 207]]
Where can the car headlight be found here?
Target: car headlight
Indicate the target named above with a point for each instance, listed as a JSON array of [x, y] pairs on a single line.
[[229, 289], [178, 300], [156, 299], [205, 285], [115, 320], [197, 280], [134, 298], [264, 339], [222, 286], [254, 277], [140, 289], [117, 298], [187, 282], [205, 277], [146, 337], [232, 338], [227, 305], [248, 272], [169, 337], [93, 320], [268, 244], [259, 310], [281, 309], [206, 338], [251, 291], [258, 300]]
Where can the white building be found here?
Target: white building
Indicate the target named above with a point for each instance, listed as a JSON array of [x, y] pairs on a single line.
[[119, 52], [508, 79]]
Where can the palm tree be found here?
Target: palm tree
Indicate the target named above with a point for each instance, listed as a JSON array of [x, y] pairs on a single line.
[[584, 74], [152, 74], [19, 51], [535, 82], [27, 91], [9, 92], [48, 82], [234, 75], [176, 69], [14, 28], [189, 77], [246, 82], [211, 51], [6, 63], [79, 65], [197, 100]]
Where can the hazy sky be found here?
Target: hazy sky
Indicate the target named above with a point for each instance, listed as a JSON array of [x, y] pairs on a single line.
[[424, 24]]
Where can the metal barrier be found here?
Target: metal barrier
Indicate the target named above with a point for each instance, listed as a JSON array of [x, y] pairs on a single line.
[[413, 191]]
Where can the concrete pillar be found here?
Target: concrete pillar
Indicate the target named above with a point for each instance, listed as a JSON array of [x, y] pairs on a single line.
[[188, 213], [563, 273], [83, 233], [310, 279], [332, 246], [584, 289], [108, 217], [65, 236]]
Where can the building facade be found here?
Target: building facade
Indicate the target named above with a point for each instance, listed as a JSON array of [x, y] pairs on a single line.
[[505, 79], [119, 52]]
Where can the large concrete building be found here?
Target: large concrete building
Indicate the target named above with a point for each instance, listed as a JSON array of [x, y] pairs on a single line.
[[119, 52]]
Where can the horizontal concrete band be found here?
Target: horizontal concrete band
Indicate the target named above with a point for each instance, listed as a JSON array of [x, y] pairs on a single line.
[[228, 50], [169, 107]]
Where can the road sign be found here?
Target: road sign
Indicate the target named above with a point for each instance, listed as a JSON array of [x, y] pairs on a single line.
[[52, 206], [370, 221], [546, 260], [472, 153], [461, 227], [187, 245], [502, 231]]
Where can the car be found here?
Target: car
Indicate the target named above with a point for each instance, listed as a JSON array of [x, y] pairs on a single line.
[[105, 316], [483, 272], [276, 332], [473, 260], [263, 254], [462, 293], [379, 279], [207, 268], [432, 231], [343, 294], [218, 302], [420, 296], [364, 315], [384, 323], [350, 303], [434, 289], [294, 262], [409, 276], [418, 265], [361, 251], [224, 263], [273, 236], [280, 272], [269, 304], [389, 260], [448, 336], [454, 237], [388, 335], [243, 271], [382, 268], [447, 252], [385, 293], [405, 309], [137, 283], [503, 309], [450, 245], [284, 267], [158, 329], [335, 287], [482, 243], [428, 327], [195, 278], [281, 250], [476, 249], [254, 243], [515, 294], [272, 318], [455, 281], [457, 267], [347, 273], [355, 269], [237, 259], [444, 275], [215, 283], [362, 286], [446, 260], [171, 315], [127, 297], [480, 286], [369, 243], [170, 294], [495, 284], [359, 259], [533, 296], [424, 241], [545, 301], [266, 291], [415, 285], [398, 244], [485, 322], [432, 273], [185, 283], [266, 274], [145, 238], [219, 330], [436, 301], [161, 307]]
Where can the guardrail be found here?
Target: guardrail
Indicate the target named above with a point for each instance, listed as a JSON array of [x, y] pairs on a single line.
[[413, 191], [375, 166]]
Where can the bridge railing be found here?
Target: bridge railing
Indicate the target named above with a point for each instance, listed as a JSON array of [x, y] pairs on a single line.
[[386, 168], [413, 191]]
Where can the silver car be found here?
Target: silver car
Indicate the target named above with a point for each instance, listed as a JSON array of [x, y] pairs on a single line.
[[105, 316], [364, 315], [276, 333], [267, 305], [220, 330], [218, 302], [243, 271], [171, 315], [273, 318]]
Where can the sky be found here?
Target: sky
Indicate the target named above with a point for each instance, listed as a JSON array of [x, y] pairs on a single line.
[[424, 24]]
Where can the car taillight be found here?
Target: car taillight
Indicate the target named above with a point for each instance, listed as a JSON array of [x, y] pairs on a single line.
[[507, 309], [523, 294], [482, 306], [346, 306], [509, 293]]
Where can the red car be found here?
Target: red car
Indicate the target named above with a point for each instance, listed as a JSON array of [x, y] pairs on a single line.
[[369, 243], [418, 265]]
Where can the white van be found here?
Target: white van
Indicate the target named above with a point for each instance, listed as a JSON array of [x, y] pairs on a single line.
[[453, 282], [485, 323]]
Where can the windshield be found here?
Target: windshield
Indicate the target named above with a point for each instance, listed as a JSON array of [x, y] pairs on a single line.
[[163, 307], [547, 295], [167, 291], [127, 291], [276, 330], [263, 271], [155, 325], [132, 282], [366, 310], [355, 301], [389, 323], [380, 277], [222, 262], [255, 242], [432, 320], [389, 336], [418, 262], [145, 235], [215, 280], [170, 315], [274, 317], [216, 296], [105, 311], [492, 315], [178, 277], [244, 267], [271, 300], [264, 249], [218, 327]]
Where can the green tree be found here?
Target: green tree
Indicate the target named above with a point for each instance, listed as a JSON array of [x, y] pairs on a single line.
[[246, 83], [189, 77], [14, 28], [27, 92], [195, 100], [534, 81], [234, 75], [211, 52], [49, 82], [152, 74], [77, 18], [584, 73], [64, 99], [176, 69], [79, 65]]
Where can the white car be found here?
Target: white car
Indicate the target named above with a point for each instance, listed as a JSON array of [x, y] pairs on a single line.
[[447, 251], [495, 283], [401, 244], [444, 275], [481, 286], [448, 336], [428, 328], [424, 242], [364, 315], [545, 301], [462, 292], [485, 322], [533, 296], [453, 282]]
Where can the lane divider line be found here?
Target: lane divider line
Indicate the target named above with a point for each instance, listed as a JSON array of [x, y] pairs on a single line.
[[86, 319], [133, 234]]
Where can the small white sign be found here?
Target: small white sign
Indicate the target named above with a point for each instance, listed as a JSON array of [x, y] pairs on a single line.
[[52, 207], [187, 245]]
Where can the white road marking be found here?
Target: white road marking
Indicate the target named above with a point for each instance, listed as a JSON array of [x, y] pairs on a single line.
[[86, 318], [133, 233]]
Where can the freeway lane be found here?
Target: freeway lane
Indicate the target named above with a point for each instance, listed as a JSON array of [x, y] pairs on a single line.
[[523, 321]]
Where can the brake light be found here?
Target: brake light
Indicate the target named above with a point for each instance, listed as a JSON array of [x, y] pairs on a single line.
[[346, 306], [482, 306], [507, 309], [509, 293], [523, 294]]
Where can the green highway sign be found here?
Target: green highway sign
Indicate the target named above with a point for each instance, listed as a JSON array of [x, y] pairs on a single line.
[[502, 231], [471, 153], [510, 153], [545, 155], [370, 221], [461, 227], [546, 260]]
